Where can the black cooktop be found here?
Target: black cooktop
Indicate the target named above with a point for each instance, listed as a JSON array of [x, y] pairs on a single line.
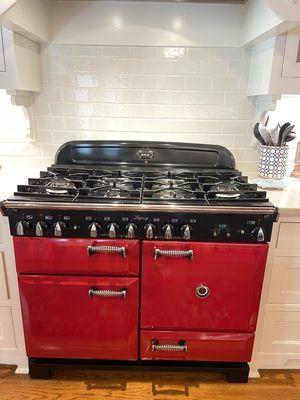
[[140, 185]]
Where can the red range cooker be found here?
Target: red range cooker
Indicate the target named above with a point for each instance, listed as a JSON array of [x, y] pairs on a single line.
[[140, 255]]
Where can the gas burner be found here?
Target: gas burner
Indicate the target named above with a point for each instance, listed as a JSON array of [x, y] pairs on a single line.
[[178, 193]]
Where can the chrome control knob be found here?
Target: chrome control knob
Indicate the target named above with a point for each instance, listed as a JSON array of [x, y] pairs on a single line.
[[40, 228], [94, 227], [112, 230], [258, 234], [131, 230], [186, 232], [59, 227], [168, 234], [22, 227], [149, 231]]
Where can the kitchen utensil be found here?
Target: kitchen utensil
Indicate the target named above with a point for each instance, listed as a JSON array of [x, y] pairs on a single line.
[[280, 134], [285, 133], [258, 135], [265, 134], [291, 136]]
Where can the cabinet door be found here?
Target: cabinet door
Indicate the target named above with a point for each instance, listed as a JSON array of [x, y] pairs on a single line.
[[291, 60], [202, 286], [80, 317], [7, 336], [2, 58], [3, 280]]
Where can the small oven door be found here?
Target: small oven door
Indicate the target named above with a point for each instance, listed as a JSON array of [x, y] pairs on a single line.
[[80, 317], [201, 286]]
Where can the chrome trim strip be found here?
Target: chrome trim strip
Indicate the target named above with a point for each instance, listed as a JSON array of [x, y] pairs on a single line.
[[139, 207]]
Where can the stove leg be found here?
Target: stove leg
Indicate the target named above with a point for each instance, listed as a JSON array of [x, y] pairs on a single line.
[[238, 374], [39, 371]]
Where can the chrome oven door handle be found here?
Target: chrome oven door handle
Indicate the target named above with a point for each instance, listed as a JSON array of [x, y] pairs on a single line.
[[181, 346], [107, 293], [107, 250], [173, 253]]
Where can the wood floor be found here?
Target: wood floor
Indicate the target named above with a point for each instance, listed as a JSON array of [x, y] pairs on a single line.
[[71, 385]]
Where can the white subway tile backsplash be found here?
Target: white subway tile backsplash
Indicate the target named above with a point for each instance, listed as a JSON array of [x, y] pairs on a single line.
[[171, 82], [212, 67], [86, 80], [198, 83], [174, 67], [187, 94]]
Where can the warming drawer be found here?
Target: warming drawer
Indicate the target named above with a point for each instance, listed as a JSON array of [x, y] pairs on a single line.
[[80, 317], [201, 286], [76, 256], [196, 346]]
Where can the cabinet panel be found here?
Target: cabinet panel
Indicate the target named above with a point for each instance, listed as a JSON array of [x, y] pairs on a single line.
[[2, 57], [285, 281], [3, 280], [7, 337], [288, 237], [291, 60], [281, 332]]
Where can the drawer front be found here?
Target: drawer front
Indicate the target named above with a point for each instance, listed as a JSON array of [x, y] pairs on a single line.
[[76, 256], [80, 317], [196, 346], [201, 286]]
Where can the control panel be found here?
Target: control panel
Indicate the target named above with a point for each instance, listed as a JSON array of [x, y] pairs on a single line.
[[148, 225]]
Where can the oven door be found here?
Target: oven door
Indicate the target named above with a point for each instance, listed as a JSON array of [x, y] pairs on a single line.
[[202, 286], [80, 317]]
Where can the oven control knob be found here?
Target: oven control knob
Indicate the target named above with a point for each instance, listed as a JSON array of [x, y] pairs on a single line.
[[130, 228], [22, 227], [40, 228], [167, 229], [94, 227], [258, 234], [59, 227], [149, 231], [186, 232], [112, 230]]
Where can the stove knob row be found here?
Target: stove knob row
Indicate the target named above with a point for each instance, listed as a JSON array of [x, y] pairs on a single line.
[[22, 227], [59, 227]]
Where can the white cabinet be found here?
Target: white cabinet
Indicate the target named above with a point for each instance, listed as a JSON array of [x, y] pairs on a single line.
[[12, 347], [277, 343], [291, 59], [275, 65], [20, 67], [2, 59]]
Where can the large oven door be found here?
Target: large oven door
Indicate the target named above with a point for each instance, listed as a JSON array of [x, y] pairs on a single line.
[[202, 286], [80, 317]]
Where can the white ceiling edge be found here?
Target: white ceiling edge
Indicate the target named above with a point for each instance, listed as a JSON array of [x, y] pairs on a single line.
[[146, 24]]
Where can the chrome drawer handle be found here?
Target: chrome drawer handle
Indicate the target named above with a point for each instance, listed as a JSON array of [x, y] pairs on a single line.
[[202, 291], [181, 346], [107, 293], [173, 253], [106, 250]]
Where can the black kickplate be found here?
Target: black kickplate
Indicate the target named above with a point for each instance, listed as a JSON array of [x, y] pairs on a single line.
[[40, 368]]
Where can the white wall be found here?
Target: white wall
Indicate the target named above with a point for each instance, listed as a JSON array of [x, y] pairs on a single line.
[[146, 93]]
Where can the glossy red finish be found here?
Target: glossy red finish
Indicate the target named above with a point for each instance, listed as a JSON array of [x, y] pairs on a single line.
[[232, 271], [69, 256], [62, 321], [201, 346]]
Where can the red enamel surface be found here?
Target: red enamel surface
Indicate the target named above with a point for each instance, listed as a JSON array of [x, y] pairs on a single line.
[[69, 256], [62, 321], [233, 272], [201, 346]]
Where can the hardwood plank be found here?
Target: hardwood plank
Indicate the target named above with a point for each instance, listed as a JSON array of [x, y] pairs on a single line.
[[75, 385]]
